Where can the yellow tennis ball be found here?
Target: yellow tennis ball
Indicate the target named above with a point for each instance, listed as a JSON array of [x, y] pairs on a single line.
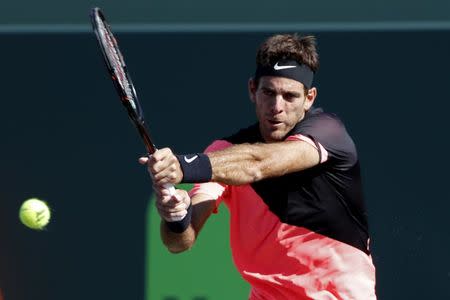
[[34, 213]]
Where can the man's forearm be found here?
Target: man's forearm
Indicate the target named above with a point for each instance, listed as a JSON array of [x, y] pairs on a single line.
[[239, 164], [202, 207], [247, 163], [177, 242]]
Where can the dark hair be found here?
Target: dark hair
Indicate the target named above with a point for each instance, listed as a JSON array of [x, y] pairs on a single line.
[[289, 46]]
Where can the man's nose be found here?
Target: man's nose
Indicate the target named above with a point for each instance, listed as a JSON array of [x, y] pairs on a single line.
[[277, 104]]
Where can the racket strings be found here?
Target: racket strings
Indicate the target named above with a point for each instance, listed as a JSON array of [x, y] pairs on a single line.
[[116, 61], [118, 71]]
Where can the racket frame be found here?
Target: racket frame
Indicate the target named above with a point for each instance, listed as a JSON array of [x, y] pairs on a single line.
[[130, 101]]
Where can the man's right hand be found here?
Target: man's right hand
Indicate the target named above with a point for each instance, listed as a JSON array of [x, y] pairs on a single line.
[[163, 167]]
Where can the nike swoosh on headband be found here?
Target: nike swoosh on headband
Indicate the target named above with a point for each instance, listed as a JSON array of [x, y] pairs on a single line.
[[277, 67]]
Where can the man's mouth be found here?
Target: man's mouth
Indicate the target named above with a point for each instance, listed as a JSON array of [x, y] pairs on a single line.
[[272, 121]]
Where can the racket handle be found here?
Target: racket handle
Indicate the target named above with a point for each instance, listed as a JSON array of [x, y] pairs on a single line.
[[171, 188]]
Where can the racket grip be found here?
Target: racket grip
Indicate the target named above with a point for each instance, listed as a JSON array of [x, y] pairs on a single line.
[[171, 188]]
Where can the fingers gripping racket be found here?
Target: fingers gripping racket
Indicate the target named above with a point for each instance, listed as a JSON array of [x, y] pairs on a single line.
[[122, 82]]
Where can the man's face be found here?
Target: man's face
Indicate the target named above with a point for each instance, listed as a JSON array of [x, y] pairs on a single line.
[[280, 104]]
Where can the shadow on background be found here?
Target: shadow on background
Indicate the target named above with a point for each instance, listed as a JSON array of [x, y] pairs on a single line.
[[65, 138]]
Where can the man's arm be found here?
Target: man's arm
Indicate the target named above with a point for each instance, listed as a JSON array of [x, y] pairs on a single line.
[[202, 207], [247, 163], [240, 164]]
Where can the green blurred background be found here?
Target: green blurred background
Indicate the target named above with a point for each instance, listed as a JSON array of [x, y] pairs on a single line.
[[65, 137]]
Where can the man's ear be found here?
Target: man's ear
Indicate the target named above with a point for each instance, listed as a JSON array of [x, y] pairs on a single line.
[[310, 97], [252, 89]]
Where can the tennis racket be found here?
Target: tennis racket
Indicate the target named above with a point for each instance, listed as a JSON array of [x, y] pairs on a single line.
[[122, 82]]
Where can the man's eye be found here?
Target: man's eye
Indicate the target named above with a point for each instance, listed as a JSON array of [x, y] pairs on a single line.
[[290, 96], [268, 93]]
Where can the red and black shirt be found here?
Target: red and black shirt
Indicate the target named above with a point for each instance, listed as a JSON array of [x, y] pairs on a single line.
[[303, 235]]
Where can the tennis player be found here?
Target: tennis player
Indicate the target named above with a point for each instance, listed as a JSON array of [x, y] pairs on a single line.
[[292, 184]]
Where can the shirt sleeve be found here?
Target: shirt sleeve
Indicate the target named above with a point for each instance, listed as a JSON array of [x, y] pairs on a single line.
[[328, 135]]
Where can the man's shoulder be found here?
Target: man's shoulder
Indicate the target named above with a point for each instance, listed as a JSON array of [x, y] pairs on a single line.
[[328, 130], [318, 119], [321, 115], [250, 134]]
